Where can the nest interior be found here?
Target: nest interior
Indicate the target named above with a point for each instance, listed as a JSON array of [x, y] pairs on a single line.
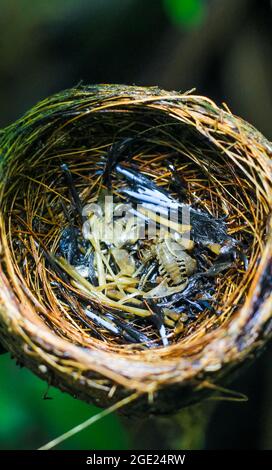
[[226, 165]]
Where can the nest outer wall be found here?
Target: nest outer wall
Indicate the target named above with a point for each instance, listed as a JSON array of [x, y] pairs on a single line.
[[183, 373]]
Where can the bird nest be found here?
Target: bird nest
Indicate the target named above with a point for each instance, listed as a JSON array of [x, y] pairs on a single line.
[[103, 319]]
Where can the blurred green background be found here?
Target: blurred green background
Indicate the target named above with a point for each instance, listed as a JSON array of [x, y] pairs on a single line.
[[221, 47]]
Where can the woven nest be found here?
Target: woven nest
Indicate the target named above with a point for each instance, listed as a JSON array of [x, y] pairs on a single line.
[[226, 165]]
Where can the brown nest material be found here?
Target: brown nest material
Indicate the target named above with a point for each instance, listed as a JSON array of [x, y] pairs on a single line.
[[225, 164]]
